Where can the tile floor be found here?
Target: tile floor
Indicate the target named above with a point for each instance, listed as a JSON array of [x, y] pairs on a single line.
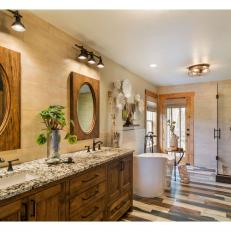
[[202, 199]]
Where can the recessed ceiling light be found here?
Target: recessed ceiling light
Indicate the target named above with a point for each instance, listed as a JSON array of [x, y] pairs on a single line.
[[152, 65]]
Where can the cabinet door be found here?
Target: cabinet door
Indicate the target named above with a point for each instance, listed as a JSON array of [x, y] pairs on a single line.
[[11, 212], [114, 175], [126, 173], [48, 205]]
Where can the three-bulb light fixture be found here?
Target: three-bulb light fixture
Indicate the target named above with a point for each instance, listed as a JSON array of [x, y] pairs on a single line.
[[17, 24], [198, 69], [89, 56]]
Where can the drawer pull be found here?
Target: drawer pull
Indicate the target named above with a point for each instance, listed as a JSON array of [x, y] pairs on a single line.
[[89, 214], [33, 208], [24, 214], [121, 204], [92, 178], [91, 194]]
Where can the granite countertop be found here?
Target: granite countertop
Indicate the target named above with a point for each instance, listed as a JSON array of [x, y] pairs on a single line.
[[45, 173]]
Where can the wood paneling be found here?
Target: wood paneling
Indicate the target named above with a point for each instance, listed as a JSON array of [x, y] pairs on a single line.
[[76, 82], [10, 128]]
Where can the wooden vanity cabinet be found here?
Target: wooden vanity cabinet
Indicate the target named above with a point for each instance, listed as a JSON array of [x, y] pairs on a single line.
[[47, 205], [127, 174], [98, 194], [87, 196], [120, 192], [11, 211]]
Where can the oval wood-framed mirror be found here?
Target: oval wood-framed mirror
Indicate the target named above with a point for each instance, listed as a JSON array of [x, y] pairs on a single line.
[[5, 99], [84, 106]]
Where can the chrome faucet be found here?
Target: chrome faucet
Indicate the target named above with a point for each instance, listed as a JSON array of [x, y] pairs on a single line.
[[95, 143]]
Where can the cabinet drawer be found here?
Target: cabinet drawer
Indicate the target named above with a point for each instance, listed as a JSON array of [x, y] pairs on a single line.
[[86, 180], [87, 197], [93, 212], [119, 207]]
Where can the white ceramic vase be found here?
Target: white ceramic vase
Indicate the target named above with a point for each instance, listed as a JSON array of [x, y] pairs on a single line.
[[174, 141]]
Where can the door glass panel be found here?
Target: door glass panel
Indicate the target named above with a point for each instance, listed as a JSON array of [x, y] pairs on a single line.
[[151, 120], [176, 114]]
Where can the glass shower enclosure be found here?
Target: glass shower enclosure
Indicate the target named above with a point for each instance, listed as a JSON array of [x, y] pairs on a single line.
[[223, 132]]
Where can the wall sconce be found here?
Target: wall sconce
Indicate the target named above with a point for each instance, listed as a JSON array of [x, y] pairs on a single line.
[[90, 56], [17, 24], [198, 69]]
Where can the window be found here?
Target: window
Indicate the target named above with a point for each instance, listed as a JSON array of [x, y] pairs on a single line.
[[151, 124]]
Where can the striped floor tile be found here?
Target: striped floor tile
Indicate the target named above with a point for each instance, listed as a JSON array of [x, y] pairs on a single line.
[[196, 201]]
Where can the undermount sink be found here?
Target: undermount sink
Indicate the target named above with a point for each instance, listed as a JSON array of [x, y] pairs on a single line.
[[107, 151], [16, 178]]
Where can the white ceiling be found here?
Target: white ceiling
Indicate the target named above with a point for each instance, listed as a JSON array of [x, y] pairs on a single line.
[[171, 39]]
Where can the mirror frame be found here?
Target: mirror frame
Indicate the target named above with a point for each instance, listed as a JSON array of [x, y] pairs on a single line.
[[10, 129], [76, 82]]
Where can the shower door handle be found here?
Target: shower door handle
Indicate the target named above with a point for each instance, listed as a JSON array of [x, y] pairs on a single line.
[[219, 133]]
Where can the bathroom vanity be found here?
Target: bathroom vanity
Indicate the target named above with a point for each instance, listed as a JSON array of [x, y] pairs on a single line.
[[97, 187]]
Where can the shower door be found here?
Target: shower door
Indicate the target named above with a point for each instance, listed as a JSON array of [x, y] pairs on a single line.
[[223, 131]]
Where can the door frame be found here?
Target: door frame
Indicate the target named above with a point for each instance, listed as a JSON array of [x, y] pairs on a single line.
[[189, 96]]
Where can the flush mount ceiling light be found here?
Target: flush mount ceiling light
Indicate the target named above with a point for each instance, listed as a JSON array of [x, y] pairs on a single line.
[[90, 56], [17, 24], [198, 69]]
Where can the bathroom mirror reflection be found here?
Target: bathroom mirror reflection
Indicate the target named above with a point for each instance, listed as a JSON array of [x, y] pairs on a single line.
[[85, 108]]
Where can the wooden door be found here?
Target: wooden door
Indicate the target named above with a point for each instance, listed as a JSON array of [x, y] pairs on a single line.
[[47, 205], [188, 98], [126, 174], [114, 176], [11, 212]]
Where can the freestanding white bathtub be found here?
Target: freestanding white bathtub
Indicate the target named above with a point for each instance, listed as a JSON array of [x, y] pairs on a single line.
[[150, 173]]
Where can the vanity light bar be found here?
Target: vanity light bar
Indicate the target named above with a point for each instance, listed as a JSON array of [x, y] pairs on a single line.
[[90, 56]]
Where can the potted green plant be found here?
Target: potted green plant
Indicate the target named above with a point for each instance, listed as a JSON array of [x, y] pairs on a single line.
[[54, 119], [174, 138]]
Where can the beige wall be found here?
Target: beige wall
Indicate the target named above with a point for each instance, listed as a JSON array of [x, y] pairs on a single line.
[[205, 119], [47, 58]]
